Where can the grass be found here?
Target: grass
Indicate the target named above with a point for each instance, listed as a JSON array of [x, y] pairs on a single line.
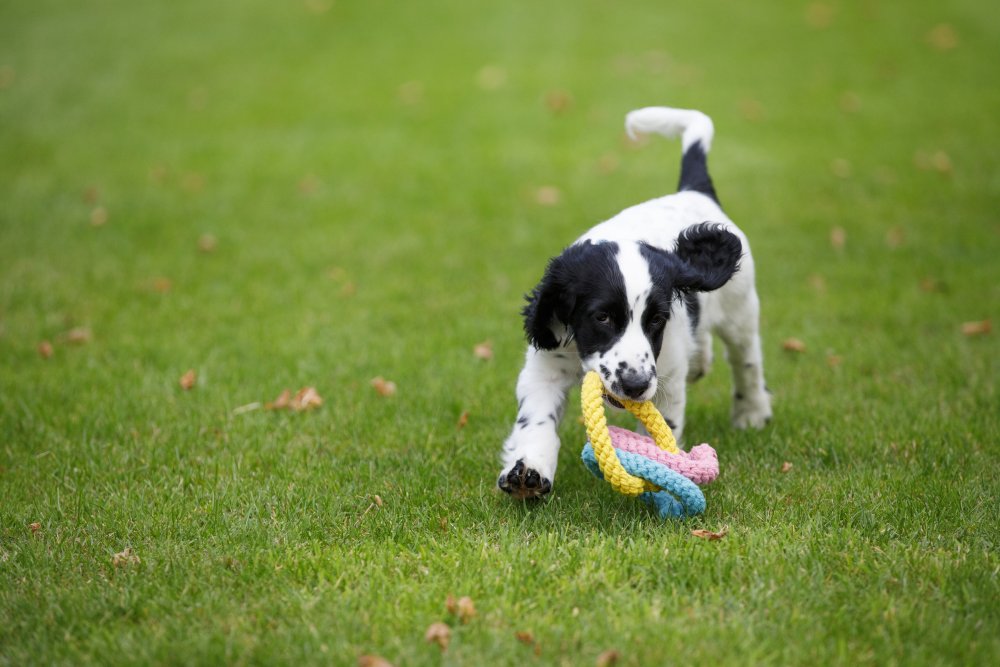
[[369, 171]]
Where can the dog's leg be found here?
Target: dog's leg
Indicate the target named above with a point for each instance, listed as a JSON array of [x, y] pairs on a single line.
[[739, 331], [531, 452]]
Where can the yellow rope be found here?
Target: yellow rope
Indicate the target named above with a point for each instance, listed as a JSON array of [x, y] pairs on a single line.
[[592, 400]]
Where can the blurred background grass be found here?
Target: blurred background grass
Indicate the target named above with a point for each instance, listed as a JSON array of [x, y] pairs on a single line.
[[316, 193]]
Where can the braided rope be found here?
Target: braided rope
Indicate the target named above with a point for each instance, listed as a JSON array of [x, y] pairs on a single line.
[[654, 469]]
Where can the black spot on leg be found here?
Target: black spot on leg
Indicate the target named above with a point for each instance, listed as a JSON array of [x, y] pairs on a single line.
[[671, 424], [520, 404], [540, 423], [739, 396], [522, 422], [622, 364], [552, 417], [605, 372], [748, 365]]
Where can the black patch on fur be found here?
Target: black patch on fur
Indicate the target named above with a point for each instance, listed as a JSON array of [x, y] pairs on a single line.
[[576, 286], [694, 172], [711, 254], [693, 306], [670, 423]]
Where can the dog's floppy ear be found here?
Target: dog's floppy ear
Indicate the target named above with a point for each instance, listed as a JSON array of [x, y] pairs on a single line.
[[551, 298], [556, 295], [711, 255]]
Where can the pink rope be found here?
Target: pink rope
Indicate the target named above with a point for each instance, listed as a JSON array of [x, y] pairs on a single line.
[[700, 465]]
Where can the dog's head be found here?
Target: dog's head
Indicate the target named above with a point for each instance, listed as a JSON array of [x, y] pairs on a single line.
[[615, 301]]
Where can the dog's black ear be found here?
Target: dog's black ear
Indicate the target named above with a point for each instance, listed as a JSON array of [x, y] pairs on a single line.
[[551, 299], [711, 255], [567, 276]]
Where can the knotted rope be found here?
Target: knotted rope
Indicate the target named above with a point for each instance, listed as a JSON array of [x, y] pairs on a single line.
[[652, 468]]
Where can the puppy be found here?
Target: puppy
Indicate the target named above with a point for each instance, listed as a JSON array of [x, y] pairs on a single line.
[[637, 298]]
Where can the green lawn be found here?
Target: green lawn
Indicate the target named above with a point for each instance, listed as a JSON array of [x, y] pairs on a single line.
[[364, 177]]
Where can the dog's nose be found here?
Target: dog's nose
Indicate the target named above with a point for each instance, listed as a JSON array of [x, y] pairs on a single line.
[[634, 385]]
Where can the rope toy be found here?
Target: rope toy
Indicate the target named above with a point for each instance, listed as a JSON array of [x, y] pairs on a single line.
[[654, 469]]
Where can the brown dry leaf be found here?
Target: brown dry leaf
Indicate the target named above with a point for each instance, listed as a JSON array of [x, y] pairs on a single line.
[[840, 167], [793, 345], [491, 77], [438, 633], [463, 419], [838, 238], [383, 387], [819, 15], [942, 37], [941, 162], [45, 349], [548, 195], [91, 195], [895, 237], [466, 609], [980, 328], [373, 661], [411, 93], [709, 535], [833, 360], [483, 350], [607, 658], [306, 399], [786, 466], [378, 500], [608, 163], [317, 6], [751, 110], [817, 282], [7, 76], [451, 604], [78, 336], [525, 637], [558, 101], [207, 243], [162, 285], [850, 102], [309, 184], [188, 379], [192, 181], [283, 401], [35, 527], [443, 524], [98, 216], [125, 558]]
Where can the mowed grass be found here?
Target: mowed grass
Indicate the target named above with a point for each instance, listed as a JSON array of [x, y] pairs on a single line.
[[369, 173]]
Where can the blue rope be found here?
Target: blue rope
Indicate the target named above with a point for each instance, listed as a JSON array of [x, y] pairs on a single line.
[[679, 497]]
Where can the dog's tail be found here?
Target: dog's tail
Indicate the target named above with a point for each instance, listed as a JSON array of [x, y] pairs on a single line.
[[695, 130]]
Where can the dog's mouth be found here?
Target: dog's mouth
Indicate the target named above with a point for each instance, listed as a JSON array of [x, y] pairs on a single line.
[[613, 402]]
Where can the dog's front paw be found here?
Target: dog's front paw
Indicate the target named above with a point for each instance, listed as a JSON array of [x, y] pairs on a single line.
[[752, 412], [524, 482]]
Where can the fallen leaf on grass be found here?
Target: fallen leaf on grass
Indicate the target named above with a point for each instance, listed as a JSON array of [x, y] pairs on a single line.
[[548, 195], [125, 558], [280, 403], [188, 379], [77, 336], [838, 238], [751, 110], [819, 15], [607, 658], [525, 637], [306, 399], [980, 328], [35, 527], [383, 387], [207, 243], [465, 609], [378, 500], [895, 237], [558, 101], [45, 349], [793, 345], [438, 633], [942, 37], [786, 466], [709, 535], [373, 661], [463, 419], [162, 285], [483, 350], [850, 102], [98, 216]]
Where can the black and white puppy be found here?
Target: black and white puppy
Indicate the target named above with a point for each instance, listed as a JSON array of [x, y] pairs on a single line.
[[637, 298]]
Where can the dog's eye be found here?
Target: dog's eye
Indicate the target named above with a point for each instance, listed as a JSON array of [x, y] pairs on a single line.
[[602, 318], [657, 321]]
